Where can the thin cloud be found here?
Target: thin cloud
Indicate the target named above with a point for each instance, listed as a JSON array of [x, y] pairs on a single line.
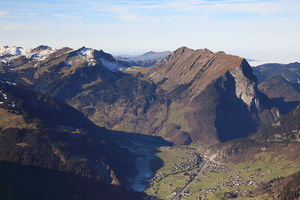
[[3, 13], [64, 16], [12, 27], [151, 10], [33, 14], [264, 8], [129, 10]]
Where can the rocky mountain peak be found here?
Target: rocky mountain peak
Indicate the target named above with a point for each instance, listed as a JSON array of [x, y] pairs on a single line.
[[41, 48], [93, 57], [247, 70], [198, 68], [101, 54], [82, 55], [182, 50], [186, 66]]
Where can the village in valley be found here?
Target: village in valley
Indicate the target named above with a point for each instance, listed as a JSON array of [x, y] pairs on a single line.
[[187, 174]]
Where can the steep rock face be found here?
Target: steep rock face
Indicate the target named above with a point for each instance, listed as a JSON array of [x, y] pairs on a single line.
[[245, 85]]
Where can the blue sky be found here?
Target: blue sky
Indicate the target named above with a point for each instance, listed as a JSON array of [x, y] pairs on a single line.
[[266, 30]]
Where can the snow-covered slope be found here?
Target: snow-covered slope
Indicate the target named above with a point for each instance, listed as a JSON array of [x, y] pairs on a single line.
[[75, 58], [9, 53], [112, 65], [94, 57], [82, 55]]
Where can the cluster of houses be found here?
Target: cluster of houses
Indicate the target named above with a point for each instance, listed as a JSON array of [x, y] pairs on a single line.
[[157, 178], [232, 183], [206, 191], [193, 162]]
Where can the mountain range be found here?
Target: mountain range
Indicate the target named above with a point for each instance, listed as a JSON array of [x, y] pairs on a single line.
[[166, 100], [70, 112]]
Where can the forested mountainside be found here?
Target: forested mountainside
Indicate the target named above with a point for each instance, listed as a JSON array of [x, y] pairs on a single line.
[[43, 141]]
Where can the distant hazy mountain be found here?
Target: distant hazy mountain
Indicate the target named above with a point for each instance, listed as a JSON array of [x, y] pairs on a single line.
[[280, 82], [144, 60], [290, 72]]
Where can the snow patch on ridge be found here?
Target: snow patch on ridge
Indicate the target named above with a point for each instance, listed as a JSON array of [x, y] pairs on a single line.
[[82, 55], [87, 52], [87, 55], [112, 66], [10, 53], [14, 51], [43, 54]]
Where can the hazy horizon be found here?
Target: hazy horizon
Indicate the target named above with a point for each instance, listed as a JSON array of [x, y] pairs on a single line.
[[263, 30]]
